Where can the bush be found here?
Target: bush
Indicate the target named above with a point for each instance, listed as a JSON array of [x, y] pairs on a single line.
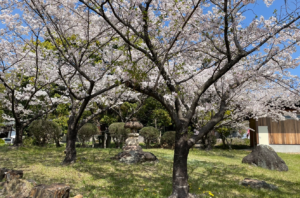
[[149, 134], [29, 141], [118, 133], [45, 130], [168, 139], [2, 141], [86, 132]]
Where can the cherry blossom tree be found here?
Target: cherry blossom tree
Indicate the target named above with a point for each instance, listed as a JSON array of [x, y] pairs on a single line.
[[88, 57], [25, 74], [185, 52]]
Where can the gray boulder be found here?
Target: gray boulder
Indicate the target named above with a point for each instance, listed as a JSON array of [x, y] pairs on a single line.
[[264, 156]]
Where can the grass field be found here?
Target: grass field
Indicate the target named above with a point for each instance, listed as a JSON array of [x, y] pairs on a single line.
[[217, 173]]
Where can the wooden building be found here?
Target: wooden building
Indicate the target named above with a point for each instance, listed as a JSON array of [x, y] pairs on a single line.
[[282, 136]]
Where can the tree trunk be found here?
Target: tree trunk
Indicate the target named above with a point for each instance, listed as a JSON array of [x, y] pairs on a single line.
[[180, 174], [209, 141], [223, 141], [19, 135], [57, 143], [159, 137], [71, 140]]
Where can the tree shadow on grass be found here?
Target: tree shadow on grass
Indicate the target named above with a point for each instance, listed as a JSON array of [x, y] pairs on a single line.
[[224, 181], [110, 178]]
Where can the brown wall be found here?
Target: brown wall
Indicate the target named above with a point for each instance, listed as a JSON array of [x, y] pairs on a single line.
[[281, 132], [253, 134]]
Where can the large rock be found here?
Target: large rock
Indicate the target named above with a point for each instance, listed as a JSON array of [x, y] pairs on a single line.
[[253, 183], [50, 191], [18, 188], [264, 156], [150, 156]]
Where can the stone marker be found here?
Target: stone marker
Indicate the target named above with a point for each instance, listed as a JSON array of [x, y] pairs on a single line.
[[264, 156], [253, 183]]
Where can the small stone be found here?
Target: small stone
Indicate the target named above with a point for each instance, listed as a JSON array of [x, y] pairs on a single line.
[[253, 183]]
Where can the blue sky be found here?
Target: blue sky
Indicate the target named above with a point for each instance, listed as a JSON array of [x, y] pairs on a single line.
[[259, 8]]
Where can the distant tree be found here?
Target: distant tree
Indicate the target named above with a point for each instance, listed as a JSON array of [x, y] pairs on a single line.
[[118, 132], [224, 132], [149, 134], [108, 119], [86, 132]]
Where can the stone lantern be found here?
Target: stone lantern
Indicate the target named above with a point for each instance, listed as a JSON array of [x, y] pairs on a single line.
[[132, 151], [132, 142]]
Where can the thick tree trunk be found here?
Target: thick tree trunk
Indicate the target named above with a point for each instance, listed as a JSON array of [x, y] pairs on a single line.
[[19, 135], [180, 174], [71, 140]]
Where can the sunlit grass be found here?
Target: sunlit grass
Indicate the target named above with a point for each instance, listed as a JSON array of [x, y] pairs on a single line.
[[217, 173]]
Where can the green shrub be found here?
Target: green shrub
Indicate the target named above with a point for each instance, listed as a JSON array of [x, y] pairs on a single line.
[[2, 141], [29, 141], [168, 139], [45, 130], [118, 133], [247, 142], [86, 132], [149, 134]]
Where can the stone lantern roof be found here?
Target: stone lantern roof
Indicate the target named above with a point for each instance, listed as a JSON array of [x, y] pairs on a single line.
[[133, 124]]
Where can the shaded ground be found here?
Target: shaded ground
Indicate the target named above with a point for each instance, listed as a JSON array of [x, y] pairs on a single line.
[[94, 175]]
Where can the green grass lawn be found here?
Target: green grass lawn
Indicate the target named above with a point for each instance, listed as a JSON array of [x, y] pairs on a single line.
[[96, 175]]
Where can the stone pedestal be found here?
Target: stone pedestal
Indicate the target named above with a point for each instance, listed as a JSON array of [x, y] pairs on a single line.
[[132, 140], [132, 143]]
